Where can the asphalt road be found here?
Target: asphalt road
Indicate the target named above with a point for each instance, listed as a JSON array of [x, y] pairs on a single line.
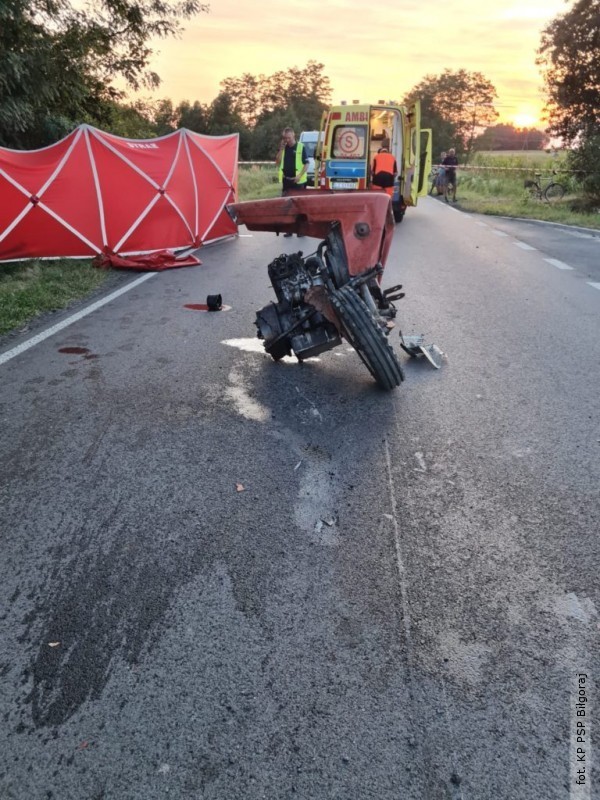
[[227, 578]]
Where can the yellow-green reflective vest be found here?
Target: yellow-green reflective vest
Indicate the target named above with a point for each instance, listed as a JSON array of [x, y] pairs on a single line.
[[299, 164]]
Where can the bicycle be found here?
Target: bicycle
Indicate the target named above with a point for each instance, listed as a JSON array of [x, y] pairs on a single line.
[[437, 181], [553, 191]]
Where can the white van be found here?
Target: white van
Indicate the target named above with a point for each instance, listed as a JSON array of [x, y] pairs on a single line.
[[309, 139]]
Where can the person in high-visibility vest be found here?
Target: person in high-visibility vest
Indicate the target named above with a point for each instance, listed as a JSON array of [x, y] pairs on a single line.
[[384, 171], [292, 163]]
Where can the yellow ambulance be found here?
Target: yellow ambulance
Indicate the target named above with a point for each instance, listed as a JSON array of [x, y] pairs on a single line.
[[351, 137]]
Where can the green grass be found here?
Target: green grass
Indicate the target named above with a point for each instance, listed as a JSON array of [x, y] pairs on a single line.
[[493, 186], [29, 288], [258, 182]]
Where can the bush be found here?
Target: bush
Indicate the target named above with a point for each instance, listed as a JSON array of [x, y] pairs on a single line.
[[585, 158]]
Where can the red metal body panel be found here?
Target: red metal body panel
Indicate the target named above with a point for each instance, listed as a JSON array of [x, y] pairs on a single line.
[[365, 220]]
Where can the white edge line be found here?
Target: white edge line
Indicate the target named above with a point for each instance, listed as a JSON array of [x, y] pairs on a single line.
[[558, 264], [21, 348], [594, 285]]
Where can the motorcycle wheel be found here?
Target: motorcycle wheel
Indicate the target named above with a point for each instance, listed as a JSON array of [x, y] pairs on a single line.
[[366, 337]]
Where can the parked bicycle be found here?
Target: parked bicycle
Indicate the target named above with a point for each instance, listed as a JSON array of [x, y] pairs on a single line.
[[552, 191]]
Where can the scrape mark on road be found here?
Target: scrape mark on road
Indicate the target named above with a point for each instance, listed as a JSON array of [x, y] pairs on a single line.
[[244, 404]]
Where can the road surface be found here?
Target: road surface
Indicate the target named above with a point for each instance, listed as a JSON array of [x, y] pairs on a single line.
[[228, 578]]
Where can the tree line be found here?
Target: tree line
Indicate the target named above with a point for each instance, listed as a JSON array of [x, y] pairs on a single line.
[[59, 63]]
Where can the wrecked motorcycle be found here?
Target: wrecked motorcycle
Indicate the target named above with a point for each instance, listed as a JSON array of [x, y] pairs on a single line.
[[334, 293]]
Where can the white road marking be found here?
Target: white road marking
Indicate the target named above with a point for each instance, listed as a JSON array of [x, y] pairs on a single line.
[[499, 233], [481, 224], [524, 246], [21, 348], [397, 542], [558, 264], [595, 285], [245, 235], [579, 235]]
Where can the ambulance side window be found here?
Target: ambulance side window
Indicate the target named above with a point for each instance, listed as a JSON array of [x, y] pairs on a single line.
[[349, 141]]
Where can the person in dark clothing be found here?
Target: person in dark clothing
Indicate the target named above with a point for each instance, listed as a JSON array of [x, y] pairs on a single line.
[[450, 163], [292, 163]]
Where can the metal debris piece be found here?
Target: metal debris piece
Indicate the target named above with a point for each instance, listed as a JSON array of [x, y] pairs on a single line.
[[413, 344]]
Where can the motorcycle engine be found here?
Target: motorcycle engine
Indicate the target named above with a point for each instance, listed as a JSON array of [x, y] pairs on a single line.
[[291, 276]]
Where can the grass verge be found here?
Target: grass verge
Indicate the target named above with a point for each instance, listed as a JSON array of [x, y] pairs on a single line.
[[29, 288], [495, 185]]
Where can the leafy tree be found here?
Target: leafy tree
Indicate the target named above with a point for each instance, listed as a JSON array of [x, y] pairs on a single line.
[[165, 117], [456, 105], [222, 118], [307, 90], [58, 61], [193, 116], [267, 133], [248, 93], [569, 56], [584, 159], [133, 121], [507, 137]]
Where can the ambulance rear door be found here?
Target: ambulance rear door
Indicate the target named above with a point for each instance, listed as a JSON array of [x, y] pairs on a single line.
[[321, 151], [412, 153], [346, 148], [425, 160]]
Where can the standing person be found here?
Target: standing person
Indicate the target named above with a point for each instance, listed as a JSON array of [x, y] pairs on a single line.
[[450, 163], [384, 171], [292, 163]]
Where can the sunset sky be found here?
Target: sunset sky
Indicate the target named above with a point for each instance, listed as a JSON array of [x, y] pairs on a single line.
[[371, 51]]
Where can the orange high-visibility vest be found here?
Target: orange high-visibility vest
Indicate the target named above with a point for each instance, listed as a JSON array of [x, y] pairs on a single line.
[[384, 162], [384, 169]]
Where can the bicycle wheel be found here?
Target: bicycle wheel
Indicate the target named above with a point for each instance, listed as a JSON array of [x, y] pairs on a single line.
[[367, 338], [554, 191]]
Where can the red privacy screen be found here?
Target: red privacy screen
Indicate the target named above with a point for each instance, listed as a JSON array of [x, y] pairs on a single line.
[[94, 193]]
